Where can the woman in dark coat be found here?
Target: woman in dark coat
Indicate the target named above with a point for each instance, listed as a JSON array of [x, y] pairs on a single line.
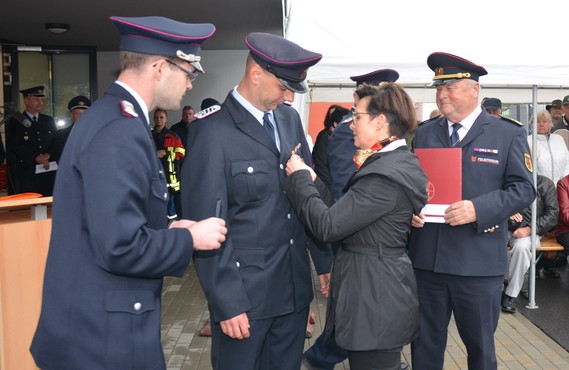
[[373, 310], [334, 115]]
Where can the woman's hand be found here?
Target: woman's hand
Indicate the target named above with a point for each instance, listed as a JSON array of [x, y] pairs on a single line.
[[294, 164]]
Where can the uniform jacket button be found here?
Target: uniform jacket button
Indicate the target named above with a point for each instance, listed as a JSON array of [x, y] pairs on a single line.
[[137, 306], [237, 263], [250, 169]]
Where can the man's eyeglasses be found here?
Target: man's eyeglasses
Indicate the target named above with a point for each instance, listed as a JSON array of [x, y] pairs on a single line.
[[191, 75], [356, 116]]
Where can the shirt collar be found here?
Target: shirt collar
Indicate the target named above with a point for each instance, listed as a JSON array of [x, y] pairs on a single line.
[[137, 97], [393, 145], [248, 106], [467, 122]]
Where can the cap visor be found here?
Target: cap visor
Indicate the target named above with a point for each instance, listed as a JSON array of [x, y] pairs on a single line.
[[197, 66], [297, 87]]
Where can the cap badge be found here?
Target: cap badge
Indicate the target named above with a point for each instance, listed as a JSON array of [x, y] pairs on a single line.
[[188, 57], [128, 109], [439, 71]]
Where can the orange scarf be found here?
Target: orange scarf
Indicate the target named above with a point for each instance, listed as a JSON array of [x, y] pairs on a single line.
[[363, 154]]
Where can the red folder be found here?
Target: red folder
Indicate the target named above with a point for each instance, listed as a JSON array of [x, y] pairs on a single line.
[[443, 167]]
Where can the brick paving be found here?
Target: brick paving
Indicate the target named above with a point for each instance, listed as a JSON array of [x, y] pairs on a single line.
[[519, 343]]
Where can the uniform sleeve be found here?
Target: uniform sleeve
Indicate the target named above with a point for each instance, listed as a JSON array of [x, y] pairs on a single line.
[[122, 198], [341, 150], [204, 193], [517, 191]]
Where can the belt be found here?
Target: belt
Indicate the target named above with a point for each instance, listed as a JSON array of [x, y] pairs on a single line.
[[375, 250]]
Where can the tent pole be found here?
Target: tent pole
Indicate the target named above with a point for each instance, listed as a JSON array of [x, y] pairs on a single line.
[[532, 272]]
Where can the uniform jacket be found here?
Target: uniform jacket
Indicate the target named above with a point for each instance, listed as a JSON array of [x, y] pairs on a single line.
[[233, 169], [341, 151], [373, 303], [110, 246], [546, 205], [23, 145], [551, 157], [496, 177]]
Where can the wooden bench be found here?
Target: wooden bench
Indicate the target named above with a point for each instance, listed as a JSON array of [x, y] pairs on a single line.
[[548, 247]]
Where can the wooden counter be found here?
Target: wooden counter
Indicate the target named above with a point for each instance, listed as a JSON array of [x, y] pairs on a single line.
[[24, 242]]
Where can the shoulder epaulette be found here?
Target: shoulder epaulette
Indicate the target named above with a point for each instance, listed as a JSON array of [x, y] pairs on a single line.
[[128, 109], [347, 119], [207, 112], [512, 120], [429, 120]]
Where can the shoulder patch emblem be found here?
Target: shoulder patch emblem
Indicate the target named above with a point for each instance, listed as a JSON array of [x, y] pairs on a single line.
[[207, 112], [128, 109], [527, 160]]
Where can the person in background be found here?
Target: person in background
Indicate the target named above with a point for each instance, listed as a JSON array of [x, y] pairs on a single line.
[[181, 128], [110, 243], [208, 102], [434, 113], [460, 264], [170, 150], [76, 107], [373, 310], [556, 111], [341, 148], [519, 227], [333, 116], [562, 229], [258, 286], [30, 145], [551, 156], [493, 106]]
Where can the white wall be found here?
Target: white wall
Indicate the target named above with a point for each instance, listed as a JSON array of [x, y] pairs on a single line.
[[224, 69]]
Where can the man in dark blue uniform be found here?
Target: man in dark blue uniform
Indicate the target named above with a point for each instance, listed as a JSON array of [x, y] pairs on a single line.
[[76, 106], [30, 145], [460, 264], [258, 285], [341, 148], [110, 242], [325, 354]]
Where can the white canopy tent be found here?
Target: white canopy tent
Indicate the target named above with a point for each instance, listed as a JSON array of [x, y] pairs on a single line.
[[520, 45]]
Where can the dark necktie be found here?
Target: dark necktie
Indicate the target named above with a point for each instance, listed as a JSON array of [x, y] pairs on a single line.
[[269, 126], [35, 119], [454, 138]]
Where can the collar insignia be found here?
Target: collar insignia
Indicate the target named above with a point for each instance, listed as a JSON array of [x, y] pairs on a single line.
[[128, 109]]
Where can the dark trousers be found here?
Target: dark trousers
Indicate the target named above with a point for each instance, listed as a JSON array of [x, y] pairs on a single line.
[[324, 354], [275, 343], [375, 360], [475, 303]]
